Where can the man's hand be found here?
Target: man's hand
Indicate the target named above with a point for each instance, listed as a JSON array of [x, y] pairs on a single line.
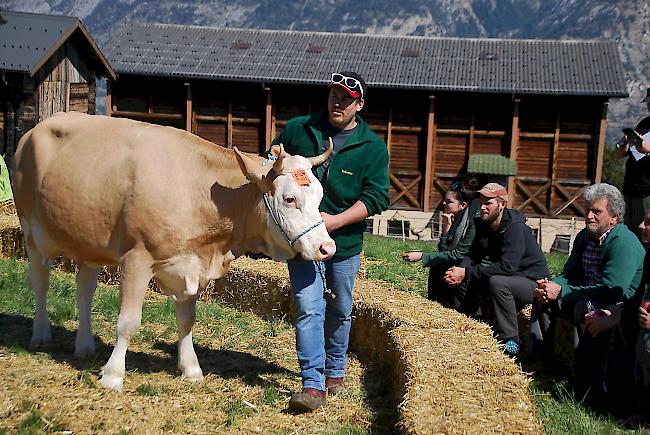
[[644, 318], [332, 222], [598, 321], [547, 291], [454, 276], [412, 256]]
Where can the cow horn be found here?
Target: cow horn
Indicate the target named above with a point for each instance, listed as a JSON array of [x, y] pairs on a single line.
[[319, 160]]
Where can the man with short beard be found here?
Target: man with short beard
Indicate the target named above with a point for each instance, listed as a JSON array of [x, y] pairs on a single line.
[[503, 264], [355, 185], [604, 268]]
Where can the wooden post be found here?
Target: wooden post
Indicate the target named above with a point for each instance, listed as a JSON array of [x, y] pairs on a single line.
[[601, 144], [229, 125], [470, 147], [514, 148], [430, 165], [188, 107], [556, 149], [268, 119], [389, 131], [109, 97]]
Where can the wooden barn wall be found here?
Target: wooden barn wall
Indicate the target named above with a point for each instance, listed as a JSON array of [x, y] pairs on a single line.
[[467, 124], [557, 136], [557, 152], [65, 83], [156, 100], [229, 114]]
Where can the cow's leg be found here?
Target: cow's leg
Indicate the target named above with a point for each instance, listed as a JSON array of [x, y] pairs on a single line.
[[188, 363], [84, 345], [136, 273], [39, 281]]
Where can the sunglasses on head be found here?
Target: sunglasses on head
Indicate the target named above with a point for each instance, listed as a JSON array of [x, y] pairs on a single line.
[[349, 82]]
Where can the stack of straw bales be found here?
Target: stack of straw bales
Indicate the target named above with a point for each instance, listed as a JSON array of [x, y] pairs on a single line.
[[445, 371]]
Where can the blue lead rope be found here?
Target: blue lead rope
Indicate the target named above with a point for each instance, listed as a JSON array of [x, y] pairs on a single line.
[[295, 239], [318, 264]]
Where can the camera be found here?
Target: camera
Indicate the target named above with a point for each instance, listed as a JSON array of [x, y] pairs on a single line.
[[630, 137]]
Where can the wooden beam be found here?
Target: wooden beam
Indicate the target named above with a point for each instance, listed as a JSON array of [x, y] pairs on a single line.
[[405, 190], [233, 119], [571, 200], [188, 107], [430, 163], [389, 129], [470, 145], [268, 119], [532, 196], [146, 115], [229, 125], [556, 149], [109, 97], [514, 148], [600, 153], [563, 136]]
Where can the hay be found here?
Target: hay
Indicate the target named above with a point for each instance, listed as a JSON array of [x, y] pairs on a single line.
[[445, 371]]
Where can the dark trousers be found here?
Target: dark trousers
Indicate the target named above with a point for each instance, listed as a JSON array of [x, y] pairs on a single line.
[[602, 365], [458, 298], [508, 294]]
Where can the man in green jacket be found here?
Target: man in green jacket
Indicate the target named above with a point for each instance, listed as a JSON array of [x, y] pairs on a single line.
[[355, 185], [604, 268]]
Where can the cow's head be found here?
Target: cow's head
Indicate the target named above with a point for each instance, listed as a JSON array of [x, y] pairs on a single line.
[[293, 195]]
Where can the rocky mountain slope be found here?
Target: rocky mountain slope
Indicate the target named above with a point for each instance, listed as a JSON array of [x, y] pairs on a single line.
[[625, 21]]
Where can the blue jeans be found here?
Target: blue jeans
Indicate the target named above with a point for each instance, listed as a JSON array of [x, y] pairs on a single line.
[[323, 319]]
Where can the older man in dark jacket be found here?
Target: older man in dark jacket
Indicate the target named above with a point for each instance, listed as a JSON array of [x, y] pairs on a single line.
[[505, 259]]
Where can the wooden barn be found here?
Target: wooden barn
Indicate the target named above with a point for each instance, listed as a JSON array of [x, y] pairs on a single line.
[[47, 64], [445, 106]]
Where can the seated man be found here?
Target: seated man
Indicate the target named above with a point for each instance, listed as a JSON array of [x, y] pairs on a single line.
[[505, 260], [603, 269]]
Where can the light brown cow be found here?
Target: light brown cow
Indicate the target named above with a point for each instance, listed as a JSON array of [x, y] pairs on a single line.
[[161, 203]]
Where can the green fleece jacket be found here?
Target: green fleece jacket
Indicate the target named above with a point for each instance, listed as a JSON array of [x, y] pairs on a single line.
[[358, 172], [622, 262]]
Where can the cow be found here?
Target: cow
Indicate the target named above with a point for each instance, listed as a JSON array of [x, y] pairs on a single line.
[[161, 203]]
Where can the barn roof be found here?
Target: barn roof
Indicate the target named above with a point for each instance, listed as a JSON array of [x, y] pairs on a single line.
[[29, 40], [458, 64]]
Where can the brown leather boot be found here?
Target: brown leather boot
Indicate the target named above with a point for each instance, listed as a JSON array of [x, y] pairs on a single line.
[[307, 400], [334, 386]]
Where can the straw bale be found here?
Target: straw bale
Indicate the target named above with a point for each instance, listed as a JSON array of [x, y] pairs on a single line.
[[8, 208], [446, 373]]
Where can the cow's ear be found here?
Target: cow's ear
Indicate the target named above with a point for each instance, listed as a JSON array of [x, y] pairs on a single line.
[[252, 170]]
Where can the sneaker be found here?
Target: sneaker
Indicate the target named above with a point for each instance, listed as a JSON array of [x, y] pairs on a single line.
[[334, 386], [510, 347], [307, 400]]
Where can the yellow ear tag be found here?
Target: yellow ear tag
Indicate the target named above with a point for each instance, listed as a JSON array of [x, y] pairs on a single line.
[[301, 177]]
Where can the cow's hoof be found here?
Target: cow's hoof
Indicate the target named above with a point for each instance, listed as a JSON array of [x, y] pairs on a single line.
[[41, 337], [85, 353], [194, 374], [84, 349], [114, 383]]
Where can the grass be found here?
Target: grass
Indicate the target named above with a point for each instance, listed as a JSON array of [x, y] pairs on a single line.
[[556, 408]]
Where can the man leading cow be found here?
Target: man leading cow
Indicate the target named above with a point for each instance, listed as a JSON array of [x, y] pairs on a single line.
[[355, 185]]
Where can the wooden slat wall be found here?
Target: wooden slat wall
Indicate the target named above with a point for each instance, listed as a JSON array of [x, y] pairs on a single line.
[[229, 113], [79, 97]]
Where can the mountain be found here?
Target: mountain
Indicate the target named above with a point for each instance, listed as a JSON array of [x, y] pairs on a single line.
[[624, 21]]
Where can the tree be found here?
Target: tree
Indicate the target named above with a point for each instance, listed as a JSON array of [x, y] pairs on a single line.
[[613, 167]]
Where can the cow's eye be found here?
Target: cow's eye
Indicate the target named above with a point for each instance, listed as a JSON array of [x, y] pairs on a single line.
[[290, 200]]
